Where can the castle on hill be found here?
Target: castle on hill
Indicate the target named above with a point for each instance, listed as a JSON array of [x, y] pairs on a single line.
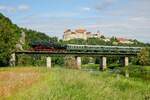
[[79, 34]]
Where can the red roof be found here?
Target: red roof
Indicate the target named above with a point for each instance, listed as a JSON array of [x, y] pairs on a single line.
[[80, 30], [122, 39]]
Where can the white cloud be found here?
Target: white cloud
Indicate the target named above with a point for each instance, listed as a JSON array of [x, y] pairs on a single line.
[[104, 4], [23, 7], [7, 8], [86, 9]]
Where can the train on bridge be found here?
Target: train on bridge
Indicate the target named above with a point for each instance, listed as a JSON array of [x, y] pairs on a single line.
[[55, 47]]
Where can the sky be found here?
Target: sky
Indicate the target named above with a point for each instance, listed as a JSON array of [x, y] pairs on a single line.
[[120, 18]]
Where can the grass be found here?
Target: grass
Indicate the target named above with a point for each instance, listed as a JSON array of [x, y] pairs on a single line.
[[67, 84], [14, 78]]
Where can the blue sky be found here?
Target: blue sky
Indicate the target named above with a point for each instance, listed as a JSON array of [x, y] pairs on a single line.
[[121, 18]]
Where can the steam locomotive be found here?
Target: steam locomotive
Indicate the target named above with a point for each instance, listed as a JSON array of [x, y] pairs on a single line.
[[56, 47], [47, 46]]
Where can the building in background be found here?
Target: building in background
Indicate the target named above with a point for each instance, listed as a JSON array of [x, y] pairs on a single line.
[[124, 41], [79, 34]]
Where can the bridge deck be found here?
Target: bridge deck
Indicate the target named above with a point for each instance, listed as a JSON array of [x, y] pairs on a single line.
[[77, 53]]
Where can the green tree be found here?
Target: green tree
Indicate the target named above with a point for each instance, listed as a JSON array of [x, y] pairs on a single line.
[[85, 60], [144, 56], [76, 41], [8, 38], [102, 36]]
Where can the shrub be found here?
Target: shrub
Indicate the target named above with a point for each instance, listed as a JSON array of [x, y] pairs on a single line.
[[114, 65]]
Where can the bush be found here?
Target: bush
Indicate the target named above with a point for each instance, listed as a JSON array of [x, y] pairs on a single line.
[[90, 66], [58, 60], [114, 65], [70, 62], [142, 72]]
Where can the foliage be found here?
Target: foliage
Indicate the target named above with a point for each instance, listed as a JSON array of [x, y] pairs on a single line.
[[113, 65], [32, 36], [24, 60], [144, 56], [137, 71], [76, 41], [58, 60], [102, 36], [91, 66], [70, 62], [85, 60], [95, 41], [9, 34]]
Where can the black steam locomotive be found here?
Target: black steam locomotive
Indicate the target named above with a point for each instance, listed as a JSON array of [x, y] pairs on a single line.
[[47, 46]]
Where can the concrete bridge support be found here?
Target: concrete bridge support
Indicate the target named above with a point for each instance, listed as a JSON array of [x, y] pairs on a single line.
[[12, 61], [103, 63], [125, 61], [78, 62], [48, 62]]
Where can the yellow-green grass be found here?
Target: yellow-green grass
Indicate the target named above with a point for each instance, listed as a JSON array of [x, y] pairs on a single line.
[[68, 84]]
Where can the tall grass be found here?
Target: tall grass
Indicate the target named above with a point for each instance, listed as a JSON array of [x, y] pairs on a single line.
[[67, 84]]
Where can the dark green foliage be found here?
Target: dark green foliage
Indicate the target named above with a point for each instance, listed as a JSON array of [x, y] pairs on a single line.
[[91, 66], [24, 60], [32, 36], [85, 60], [76, 41], [142, 72], [95, 41], [113, 65], [102, 36], [58, 60], [31, 60], [144, 57], [9, 35]]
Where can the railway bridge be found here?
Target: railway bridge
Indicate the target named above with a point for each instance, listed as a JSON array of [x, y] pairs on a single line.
[[78, 54]]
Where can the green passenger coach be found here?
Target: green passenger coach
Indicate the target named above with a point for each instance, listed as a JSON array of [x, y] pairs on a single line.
[[102, 48]]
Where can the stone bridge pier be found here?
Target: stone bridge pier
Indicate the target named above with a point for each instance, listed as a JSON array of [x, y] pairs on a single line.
[[12, 61], [103, 63], [125, 61], [48, 62], [78, 62]]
